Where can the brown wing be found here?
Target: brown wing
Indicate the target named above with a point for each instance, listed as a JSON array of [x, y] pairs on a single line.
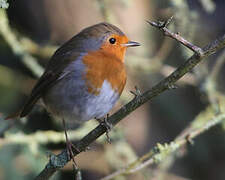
[[44, 83], [67, 53], [54, 73]]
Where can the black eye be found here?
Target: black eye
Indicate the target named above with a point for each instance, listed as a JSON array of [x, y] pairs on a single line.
[[112, 40]]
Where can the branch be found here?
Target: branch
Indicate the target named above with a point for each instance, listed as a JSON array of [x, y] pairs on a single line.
[[35, 49], [60, 160], [49, 136], [9, 36], [217, 101], [188, 79], [160, 152], [163, 27]]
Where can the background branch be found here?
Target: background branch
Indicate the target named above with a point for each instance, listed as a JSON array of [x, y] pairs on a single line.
[[160, 152], [29, 61]]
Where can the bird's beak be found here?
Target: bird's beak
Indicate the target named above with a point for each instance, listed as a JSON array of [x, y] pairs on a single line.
[[131, 44]]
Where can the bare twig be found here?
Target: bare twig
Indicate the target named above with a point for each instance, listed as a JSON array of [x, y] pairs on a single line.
[[45, 137], [163, 27], [33, 48], [60, 160], [217, 101]]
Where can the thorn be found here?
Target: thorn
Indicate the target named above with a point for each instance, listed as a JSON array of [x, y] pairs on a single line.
[[87, 149], [152, 23], [161, 24], [172, 86], [168, 21], [137, 92]]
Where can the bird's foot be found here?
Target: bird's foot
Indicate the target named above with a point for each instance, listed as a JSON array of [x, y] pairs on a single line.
[[107, 125]]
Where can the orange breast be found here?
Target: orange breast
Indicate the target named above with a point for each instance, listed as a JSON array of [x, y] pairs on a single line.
[[102, 66]]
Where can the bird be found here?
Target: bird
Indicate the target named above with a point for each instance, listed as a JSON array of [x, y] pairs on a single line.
[[85, 76]]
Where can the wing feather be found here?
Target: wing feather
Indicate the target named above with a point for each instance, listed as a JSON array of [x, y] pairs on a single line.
[[45, 82], [55, 71]]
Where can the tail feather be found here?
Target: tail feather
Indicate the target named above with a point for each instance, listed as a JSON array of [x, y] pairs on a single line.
[[28, 107]]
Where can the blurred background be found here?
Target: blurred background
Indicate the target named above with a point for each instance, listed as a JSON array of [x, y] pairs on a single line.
[[30, 32]]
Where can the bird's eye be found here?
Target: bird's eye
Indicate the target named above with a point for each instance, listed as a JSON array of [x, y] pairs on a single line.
[[112, 40]]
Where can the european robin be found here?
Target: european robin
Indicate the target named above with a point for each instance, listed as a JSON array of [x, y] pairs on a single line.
[[85, 76]]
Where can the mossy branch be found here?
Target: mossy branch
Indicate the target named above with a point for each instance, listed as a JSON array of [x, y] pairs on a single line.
[[10, 37], [44, 137], [58, 161], [160, 152]]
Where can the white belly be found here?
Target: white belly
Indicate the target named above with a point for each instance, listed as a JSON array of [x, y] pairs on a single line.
[[98, 106]]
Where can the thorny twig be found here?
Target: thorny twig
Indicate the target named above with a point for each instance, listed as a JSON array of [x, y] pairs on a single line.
[[163, 27]]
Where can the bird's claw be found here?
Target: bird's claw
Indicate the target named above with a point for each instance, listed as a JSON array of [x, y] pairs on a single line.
[[107, 125]]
